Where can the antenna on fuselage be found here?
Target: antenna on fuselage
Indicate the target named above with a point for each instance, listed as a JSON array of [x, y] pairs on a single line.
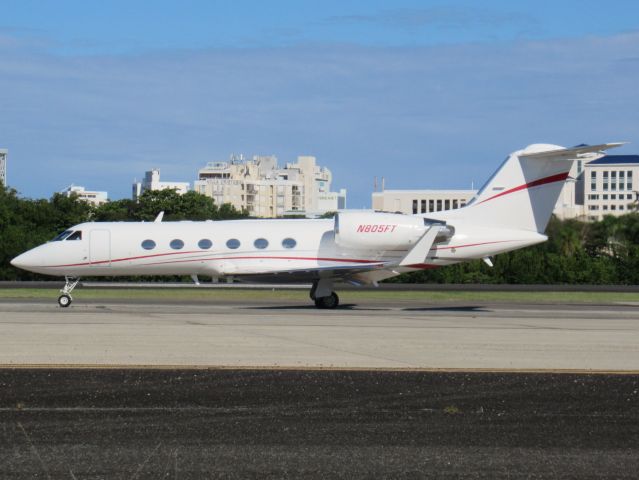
[[158, 219]]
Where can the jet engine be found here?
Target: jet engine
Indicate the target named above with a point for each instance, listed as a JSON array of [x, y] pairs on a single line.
[[377, 231], [384, 231]]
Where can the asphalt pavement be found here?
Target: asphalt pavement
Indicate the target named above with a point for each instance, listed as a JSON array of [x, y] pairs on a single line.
[[224, 423]]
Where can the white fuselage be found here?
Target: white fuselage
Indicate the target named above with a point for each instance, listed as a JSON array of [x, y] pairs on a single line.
[[246, 247]]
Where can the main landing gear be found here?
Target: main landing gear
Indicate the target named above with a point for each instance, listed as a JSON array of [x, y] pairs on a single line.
[[65, 299], [323, 295]]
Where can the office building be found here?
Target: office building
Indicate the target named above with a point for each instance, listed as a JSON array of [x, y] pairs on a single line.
[[606, 186], [610, 186], [420, 201]]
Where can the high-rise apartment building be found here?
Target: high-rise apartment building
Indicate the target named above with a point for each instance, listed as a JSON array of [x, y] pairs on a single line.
[[264, 189]]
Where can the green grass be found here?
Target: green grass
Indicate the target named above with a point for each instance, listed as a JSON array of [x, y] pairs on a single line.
[[206, 294]]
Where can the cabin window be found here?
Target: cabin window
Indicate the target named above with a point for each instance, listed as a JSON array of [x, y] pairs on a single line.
[[205, 244], [148, 244], [62, 236], [261, 243], [289, 243], [233, 243], [77, 235], [176, 244]]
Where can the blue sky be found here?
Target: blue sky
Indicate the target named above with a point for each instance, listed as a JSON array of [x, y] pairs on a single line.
[[426, 94]]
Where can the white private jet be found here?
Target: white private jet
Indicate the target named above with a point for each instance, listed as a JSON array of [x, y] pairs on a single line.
[[511, 211]]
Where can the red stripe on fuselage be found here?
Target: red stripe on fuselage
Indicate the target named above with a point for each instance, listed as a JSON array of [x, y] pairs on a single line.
[[125, 259], [349, 260], [560, 177]]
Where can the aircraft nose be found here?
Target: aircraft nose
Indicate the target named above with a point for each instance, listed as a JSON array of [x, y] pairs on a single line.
[[23, 261], [18, 261]]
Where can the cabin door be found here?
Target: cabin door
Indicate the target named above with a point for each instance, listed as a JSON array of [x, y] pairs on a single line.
[[100, 248]]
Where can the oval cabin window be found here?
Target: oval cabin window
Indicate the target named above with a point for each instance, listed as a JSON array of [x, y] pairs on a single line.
[[176, 244], [148, 244], [205, 244], [261, 243], [289, 243], [233, 243]]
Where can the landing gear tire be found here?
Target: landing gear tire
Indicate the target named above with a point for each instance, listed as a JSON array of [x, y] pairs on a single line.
[[330, 302], [64, 300], [70, 283]]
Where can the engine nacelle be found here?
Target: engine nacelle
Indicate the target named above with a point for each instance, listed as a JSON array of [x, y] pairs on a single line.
[[377, 231]]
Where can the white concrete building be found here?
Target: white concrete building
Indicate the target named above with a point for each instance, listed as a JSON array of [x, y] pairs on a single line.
[[4, 155], [606, 186], [94, 197], [265, 190], [152, 182], [420, 201], [611, 185]]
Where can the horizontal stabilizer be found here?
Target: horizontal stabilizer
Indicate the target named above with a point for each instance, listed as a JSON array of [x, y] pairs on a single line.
[[571, 153]]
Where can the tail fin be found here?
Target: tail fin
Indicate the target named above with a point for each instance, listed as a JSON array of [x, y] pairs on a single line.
[[523, 192]]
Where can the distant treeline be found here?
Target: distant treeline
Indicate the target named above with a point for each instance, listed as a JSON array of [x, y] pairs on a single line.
[[605, 252]]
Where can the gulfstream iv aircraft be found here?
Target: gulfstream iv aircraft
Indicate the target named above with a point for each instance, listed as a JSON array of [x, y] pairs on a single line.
[[511, 211]]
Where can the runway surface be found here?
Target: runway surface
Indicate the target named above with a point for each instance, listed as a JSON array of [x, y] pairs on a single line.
[[275, 333]]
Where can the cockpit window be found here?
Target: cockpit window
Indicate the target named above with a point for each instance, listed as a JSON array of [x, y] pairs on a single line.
[[62, 236], [77, 235]]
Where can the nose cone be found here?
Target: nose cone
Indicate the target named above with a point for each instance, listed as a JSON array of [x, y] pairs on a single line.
[[18, 261], [26, 261]]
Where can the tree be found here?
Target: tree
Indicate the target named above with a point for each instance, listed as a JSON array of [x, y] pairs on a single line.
[[189, 206]]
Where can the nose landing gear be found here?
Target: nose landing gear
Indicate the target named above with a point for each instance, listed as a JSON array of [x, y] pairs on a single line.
[[65, 299]]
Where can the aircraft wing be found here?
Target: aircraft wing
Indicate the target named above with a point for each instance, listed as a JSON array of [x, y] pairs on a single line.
[[574, 152], [341, 272]]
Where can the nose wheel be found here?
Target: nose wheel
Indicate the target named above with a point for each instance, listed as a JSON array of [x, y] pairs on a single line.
[[65, 299]]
